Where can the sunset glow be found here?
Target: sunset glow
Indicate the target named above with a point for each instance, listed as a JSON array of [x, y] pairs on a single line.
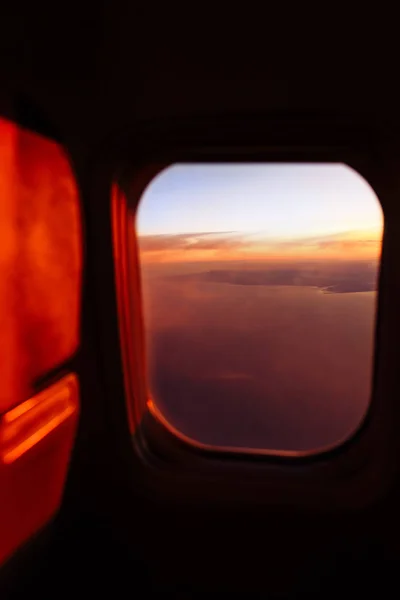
[[234, 212], [259, 290]]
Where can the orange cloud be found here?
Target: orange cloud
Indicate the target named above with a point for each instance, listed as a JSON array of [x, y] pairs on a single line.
[[236, 246]]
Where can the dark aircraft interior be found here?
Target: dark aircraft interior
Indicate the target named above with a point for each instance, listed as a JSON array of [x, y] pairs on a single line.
[[96, 494]]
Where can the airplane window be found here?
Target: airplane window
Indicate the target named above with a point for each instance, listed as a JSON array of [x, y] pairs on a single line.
[[40, 297], [40, 267], [259, 286]]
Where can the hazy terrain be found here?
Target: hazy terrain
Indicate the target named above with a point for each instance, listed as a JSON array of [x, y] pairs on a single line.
[[258, 354], [332, 277]]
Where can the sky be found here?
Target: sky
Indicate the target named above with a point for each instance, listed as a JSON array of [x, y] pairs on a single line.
[[261, 208]]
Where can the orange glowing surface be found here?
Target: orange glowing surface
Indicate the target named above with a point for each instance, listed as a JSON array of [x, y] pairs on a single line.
[[40, 294], [27, 424], [40, 260], [36, 440]]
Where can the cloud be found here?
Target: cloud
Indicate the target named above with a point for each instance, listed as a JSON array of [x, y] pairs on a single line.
[[230, 244], [191, 241], [346, 244]]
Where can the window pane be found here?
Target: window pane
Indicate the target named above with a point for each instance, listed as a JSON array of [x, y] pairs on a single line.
[[259, 290], [40, 266], [40, 296]]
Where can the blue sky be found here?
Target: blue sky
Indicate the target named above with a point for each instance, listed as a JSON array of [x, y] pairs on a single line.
[[276, 201]]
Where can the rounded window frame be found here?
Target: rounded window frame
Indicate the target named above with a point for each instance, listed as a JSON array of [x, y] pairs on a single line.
[[337, 474]]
